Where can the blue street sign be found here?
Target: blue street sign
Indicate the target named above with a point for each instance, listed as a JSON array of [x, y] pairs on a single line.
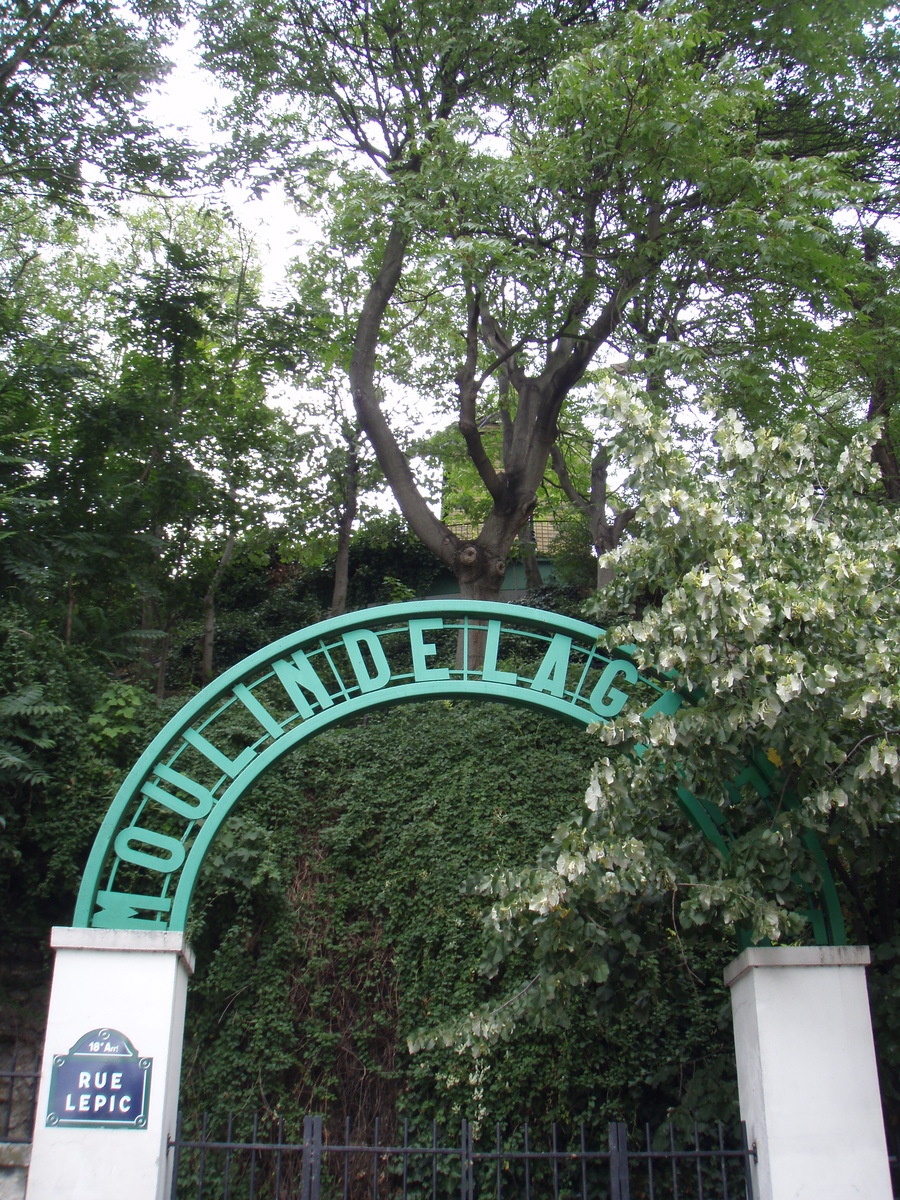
[[102, 1082]]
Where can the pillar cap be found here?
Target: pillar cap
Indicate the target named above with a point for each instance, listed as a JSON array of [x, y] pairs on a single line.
[[160, 941], [755, 957]]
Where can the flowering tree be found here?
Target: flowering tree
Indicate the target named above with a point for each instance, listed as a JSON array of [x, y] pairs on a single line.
[[763, 577]]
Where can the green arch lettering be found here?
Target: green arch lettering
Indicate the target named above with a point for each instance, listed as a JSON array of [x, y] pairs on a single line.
[[147, 855]]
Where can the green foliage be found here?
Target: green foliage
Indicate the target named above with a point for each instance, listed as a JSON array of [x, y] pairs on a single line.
[[23, 714], [326, 942], [50, 775], [383, 550], [770, 562], [138, 445], [512, 197], [115, 717], [69, 731], [385, 562], [73, 78]]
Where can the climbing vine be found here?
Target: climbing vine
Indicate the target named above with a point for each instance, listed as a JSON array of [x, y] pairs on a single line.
[[339, 916]]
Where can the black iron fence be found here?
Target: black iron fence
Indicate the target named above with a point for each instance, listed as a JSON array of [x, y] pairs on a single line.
[[18, 1095], [893, 1145], [569, 1167]]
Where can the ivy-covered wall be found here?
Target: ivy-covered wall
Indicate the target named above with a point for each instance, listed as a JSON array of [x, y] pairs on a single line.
[[337, 918]]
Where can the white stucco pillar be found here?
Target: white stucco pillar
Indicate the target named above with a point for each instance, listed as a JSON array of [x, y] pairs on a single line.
[[806, 1073], [120, 982]]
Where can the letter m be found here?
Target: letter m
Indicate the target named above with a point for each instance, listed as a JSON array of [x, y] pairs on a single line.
[[118, 910]]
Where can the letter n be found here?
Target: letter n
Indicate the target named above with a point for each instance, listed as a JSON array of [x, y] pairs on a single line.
[[299, 674]]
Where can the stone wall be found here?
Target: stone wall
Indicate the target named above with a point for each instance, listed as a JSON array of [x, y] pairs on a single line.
[[14, 1160], [24, 994]]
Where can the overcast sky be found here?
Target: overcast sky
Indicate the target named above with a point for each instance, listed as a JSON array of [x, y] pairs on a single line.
[[183, 103]]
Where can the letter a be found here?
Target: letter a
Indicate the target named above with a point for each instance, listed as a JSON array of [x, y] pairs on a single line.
[[551, 674]]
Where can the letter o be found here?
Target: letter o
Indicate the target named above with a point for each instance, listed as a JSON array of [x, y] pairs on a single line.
[[175, 852]]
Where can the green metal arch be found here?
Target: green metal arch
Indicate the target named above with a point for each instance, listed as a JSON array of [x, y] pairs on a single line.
[[150, 847]]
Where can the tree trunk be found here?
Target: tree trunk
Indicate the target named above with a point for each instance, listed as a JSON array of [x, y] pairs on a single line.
[[209, 637], [480, 573], [528, 543], [604, 536], [882, 376], [209, 611], [70, 610], [345, 530], [479, 565], [149, 626], [883, 452], [162, 665]]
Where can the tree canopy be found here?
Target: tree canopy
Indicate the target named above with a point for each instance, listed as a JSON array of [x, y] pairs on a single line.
[[536, 192], [73, 78]]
